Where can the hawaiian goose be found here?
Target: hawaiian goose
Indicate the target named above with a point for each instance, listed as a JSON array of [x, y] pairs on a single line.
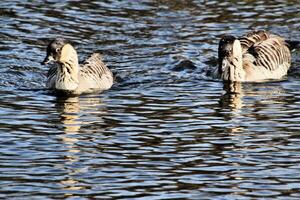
[[258, 56], [69, 77]]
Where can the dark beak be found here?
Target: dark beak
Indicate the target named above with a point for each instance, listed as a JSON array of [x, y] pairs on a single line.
[[48, 59]]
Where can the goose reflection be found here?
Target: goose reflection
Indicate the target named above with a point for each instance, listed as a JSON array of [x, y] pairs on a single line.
[[75, 112], [261, 93], [233, 95], [70, 114]]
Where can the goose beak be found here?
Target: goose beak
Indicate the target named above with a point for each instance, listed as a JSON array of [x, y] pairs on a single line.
[[47, 60]]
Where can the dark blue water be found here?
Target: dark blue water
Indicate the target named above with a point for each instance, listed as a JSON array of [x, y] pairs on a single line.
[[158, 133]]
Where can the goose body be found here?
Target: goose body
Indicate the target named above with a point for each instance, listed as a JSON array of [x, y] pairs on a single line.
[[257, 56], [70, 77]]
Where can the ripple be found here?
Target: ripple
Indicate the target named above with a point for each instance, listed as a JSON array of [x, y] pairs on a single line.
[[158, 133]]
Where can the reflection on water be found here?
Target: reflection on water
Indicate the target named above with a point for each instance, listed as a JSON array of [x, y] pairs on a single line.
[[70, 110], [235, 92], [164, 131], [233, 95]]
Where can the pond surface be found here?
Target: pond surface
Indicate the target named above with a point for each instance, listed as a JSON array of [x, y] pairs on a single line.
[[158, 133]]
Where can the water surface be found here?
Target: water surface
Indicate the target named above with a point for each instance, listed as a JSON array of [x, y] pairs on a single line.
[[158, 133]]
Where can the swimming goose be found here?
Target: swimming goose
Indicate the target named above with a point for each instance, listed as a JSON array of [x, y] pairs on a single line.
[[257, 56], [69, 77]]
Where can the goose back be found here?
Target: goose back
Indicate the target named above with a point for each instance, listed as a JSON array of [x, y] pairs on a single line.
[[270, 54], [267, 58], [95, 75], [252, 38]]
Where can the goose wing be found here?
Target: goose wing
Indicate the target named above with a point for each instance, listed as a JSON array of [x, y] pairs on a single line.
[[95, 74], [252, 38], [271, 53]]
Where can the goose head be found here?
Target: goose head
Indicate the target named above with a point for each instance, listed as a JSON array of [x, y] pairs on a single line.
[[59, 50], [54, 50], [67, 70], [230, 51]]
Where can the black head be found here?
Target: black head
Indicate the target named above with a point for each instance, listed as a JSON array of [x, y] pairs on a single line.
[[225, 47], [54, 50]]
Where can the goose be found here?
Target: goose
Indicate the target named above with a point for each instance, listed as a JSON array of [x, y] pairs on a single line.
[[255, 57], [68, 76]]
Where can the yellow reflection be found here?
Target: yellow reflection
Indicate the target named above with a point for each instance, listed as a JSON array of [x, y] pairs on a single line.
[[72, 110], [233, 96], [70, 115], [264, 93], [69, 184], [75, 112]]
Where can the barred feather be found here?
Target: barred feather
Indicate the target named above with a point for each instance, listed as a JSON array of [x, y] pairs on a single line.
[[94, 70], [262, 56], [252, 38]]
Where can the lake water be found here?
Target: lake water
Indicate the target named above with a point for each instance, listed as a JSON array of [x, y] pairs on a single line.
[[159, 133]]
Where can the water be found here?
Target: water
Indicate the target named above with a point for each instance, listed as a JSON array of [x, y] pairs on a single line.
[[158, 133]]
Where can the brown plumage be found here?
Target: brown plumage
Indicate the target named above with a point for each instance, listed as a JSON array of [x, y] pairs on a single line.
[[257, 56]]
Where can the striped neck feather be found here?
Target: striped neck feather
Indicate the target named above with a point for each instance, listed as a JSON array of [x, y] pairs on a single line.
[[232, 67], [68, 71]]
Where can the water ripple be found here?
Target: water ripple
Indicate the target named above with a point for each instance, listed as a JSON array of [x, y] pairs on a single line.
[[158, 133]]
